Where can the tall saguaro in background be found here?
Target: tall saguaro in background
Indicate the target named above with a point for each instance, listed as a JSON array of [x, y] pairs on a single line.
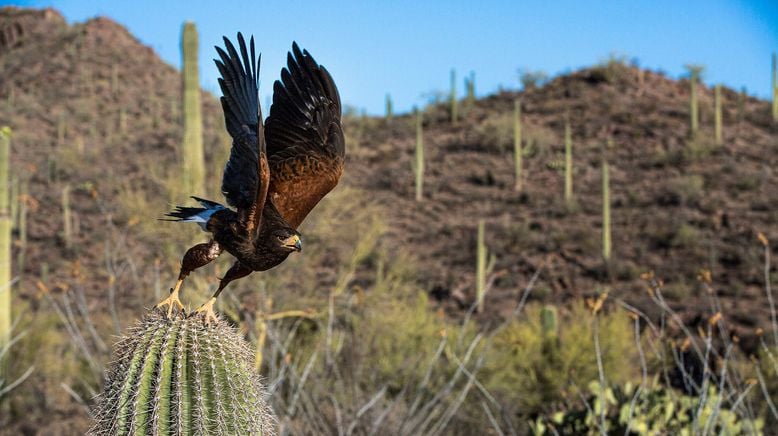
[[453, 98], [418, 166], [389, 113], [568, 162], [192, 148], [517, 151], [694, 77], [775, 87], [718, 118], [606, 204], [5, 242]]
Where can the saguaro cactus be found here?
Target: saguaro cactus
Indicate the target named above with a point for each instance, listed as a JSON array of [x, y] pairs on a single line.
[[419, 165], [193, 155], [453, 98], [5, 242], [568, 162], [606, 206], [549, 327], [718, 118], [180, 376], [480, 279], [775, 87], [548, 322], [122, 120], [67, 219], [517, 150], [470, 89], [389, 113], [694, 115]]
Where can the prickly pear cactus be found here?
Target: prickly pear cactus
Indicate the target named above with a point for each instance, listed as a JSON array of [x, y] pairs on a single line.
[[180, 376]]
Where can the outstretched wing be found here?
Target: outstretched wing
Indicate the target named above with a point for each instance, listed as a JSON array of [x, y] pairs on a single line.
[[247, 175], [305, 144]]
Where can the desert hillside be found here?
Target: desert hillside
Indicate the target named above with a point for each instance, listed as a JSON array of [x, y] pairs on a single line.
[[96, 114]]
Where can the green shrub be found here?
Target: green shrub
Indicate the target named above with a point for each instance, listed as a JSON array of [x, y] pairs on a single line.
[[532, 79], [686, 236], [530, 375], [651, 410]]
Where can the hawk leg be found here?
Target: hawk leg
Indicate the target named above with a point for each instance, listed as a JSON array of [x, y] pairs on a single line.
[[195, 257], [235, 272]]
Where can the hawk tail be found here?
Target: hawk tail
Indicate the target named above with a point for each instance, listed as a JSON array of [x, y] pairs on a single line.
[[199, 215]]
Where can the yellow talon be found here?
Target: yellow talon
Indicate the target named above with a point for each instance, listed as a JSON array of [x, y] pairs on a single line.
[[172, 300], [207, 309]]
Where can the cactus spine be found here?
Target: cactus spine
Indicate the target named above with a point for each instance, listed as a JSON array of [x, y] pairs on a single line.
[[67, 219], [5, 243], [480, 279], [389, 113], [718, 118], [694, 115], [606, 207], [568, 162], [179, 376], [453, 98], [775, 87], [193, 155], [517, 151], [419, 166]]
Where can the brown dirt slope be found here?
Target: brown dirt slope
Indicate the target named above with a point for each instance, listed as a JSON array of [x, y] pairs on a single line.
[[678, 205]]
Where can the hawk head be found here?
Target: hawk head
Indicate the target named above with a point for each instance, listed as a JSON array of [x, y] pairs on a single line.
[[287, 239]]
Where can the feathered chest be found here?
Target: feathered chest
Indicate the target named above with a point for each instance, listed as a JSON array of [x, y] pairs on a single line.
[[260, 252]]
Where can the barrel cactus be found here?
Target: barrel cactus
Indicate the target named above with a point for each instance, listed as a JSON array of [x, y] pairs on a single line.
[[180, 376]]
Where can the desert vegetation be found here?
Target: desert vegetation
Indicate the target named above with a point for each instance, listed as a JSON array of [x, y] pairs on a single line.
[[591, 253]]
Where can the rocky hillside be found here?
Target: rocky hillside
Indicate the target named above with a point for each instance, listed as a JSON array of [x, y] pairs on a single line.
[[678, 205], [96, 113], [91, 93]]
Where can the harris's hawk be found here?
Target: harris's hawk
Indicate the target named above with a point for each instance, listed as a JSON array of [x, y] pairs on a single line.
[[277, 171]]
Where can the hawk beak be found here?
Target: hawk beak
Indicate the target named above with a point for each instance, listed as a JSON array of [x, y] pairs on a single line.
[[294, 242]]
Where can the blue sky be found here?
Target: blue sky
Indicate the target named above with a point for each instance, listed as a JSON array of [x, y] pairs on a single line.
[[408, 48]]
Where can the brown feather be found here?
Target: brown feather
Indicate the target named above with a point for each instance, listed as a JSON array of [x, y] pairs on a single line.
[[305, 143], [247, 173], [299, 184], [254, 220]]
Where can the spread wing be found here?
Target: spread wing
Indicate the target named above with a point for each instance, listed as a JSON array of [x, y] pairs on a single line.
[[305, 144], [247, 175]]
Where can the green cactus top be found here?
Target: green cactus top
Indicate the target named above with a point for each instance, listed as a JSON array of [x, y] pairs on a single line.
[[180, 376]]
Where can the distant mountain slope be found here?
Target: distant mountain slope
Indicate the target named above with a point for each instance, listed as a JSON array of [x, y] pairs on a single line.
[[94, 109], [678, 206], [92, 94]]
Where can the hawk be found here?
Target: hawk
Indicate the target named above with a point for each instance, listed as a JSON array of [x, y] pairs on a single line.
[[277, 171]]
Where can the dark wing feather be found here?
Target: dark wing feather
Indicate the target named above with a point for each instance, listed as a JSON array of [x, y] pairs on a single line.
[[246, 176], [305, 142]]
